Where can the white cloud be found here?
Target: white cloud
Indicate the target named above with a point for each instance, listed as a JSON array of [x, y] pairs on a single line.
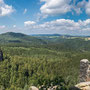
[[66, 24], [88, 8], [82, 4], [25, 11], [14, 26], [5, 9], [28, 23], [2, 27], [60, 26], [63, 26], [53, 7]]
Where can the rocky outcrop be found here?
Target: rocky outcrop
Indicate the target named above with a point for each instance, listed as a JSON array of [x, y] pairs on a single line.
[[84, 77], [84, 70]]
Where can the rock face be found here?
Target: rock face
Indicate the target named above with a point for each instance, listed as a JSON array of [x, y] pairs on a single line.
[[84, 70], [84, 77], [1, 55], [82, 86]]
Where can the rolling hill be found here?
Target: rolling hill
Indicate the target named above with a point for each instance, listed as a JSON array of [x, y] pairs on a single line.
[[11, 37], [52, 41]]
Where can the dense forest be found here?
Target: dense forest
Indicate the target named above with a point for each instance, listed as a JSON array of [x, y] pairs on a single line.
[[41, 60]]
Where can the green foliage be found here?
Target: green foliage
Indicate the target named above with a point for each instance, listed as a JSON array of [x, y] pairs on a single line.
[[26, 87], [55, 63], [20, 39]]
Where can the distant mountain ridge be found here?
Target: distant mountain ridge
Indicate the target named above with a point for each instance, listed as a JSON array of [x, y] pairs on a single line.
[[45, 35], [50, 35], [59, 35]]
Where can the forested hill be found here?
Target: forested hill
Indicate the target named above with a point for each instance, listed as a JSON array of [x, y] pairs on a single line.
[[54, 41], [66, 42], [11, 37], [41, 60]]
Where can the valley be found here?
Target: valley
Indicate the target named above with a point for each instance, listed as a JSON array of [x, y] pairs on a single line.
[[41, 60]]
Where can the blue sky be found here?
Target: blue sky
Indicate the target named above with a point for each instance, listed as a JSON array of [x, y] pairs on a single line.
[[45, 16]]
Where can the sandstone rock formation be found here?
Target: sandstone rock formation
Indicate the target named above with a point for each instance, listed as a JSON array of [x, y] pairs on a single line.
[[84, 70], [84, 77]]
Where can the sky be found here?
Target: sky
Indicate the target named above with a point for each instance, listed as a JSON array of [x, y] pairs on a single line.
[[68, 17]]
